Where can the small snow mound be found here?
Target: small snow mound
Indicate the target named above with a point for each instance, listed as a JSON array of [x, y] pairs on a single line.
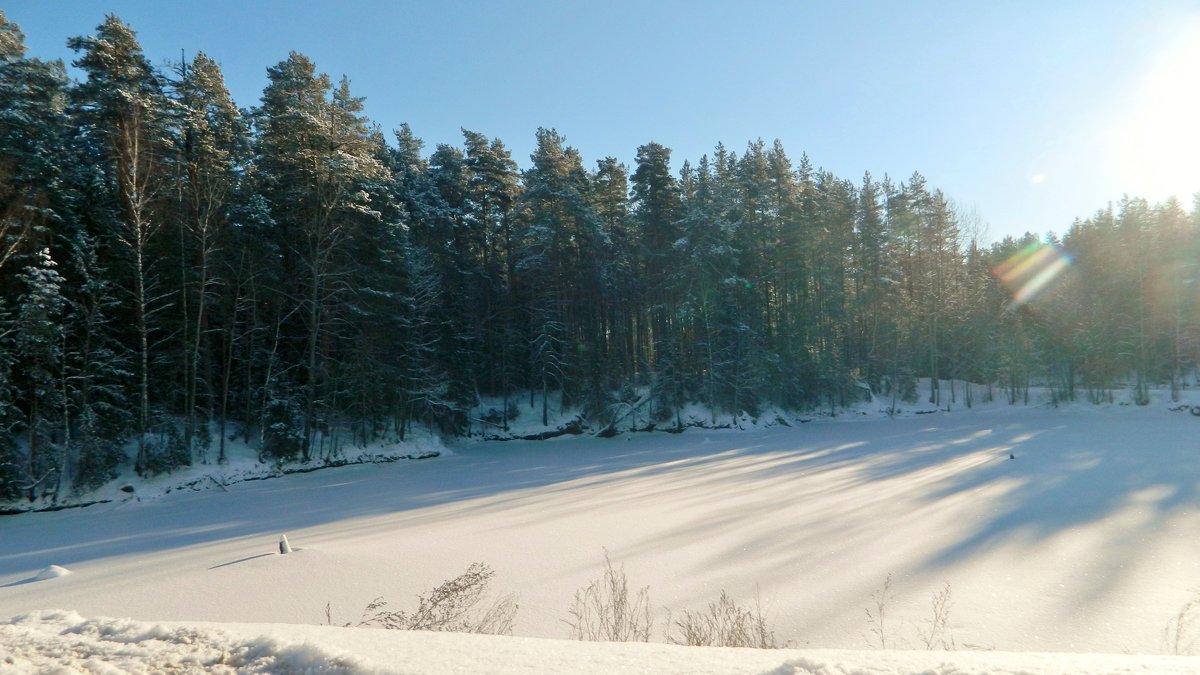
[[52, 572]]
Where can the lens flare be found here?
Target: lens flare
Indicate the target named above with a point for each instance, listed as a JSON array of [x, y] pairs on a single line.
[[1030, 270]]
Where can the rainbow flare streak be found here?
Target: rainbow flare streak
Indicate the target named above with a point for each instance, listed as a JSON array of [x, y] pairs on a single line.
[[1030, 270]]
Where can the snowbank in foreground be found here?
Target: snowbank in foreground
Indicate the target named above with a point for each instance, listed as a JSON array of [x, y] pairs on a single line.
[[67, 642]]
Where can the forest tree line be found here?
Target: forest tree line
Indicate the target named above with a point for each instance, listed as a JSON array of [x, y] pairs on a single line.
[[176, 272]]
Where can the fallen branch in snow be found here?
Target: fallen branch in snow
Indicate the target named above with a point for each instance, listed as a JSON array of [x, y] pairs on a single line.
[[365, 459], [610, 429], [573, 428]]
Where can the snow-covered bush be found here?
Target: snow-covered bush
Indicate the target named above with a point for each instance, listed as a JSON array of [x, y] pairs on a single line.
[[877, 616], [724, 624], [283, 433], [1178, 632], [98, 461], [10, 472], [936, 634], [606, 610], [449, 607], [167, 452]]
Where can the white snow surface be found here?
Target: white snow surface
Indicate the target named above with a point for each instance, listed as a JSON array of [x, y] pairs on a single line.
[[1085, 542], [64, 642]]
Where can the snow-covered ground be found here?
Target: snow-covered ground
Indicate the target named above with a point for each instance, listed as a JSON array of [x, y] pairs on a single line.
[[1084, 541], [64, 642]]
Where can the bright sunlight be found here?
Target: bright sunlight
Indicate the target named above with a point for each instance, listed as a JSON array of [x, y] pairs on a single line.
[[1154, 143]]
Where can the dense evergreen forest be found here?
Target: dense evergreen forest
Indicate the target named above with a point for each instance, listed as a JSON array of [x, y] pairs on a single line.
[[175, 272]]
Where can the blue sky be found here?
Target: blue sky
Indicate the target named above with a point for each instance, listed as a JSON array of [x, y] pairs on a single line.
[[1028, 114]]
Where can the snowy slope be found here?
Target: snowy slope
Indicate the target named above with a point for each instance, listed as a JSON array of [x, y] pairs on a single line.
[[1084, 542]]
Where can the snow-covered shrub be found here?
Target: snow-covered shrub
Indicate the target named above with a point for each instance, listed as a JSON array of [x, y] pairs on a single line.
[[493, 417], [449, 607], [900, 385], [501, 418], [936, 635], [1178, 632], [724, 624], [98, 461], [10, 472], [606, 610], [283, 433], [877, 617], [167, 452]]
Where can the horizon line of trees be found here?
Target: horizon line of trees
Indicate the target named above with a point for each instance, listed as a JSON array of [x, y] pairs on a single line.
[[176, 272]]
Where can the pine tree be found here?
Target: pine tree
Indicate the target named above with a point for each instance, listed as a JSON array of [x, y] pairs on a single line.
[[120, 109], [13, 466], [455, 241], [32, 153], [211, 147], [315, 156], [32, 132], [656, 210], [97, 368], [872, 284], [423, 379], [492, 191], [38, 347], [704, 282], [609, 199]]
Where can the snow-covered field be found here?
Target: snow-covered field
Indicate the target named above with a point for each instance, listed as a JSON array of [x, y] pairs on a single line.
[[1086, 540]]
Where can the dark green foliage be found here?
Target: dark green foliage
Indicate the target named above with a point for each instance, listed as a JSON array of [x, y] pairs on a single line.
[[12, 477], [167, 451], [175, 273], [98, 460], [283, 424]]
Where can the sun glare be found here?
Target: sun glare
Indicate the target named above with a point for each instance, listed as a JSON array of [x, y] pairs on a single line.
[[1153, 145], [1030, 270]]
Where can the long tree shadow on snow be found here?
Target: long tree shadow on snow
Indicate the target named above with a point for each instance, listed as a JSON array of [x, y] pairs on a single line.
[[499, 471], [1058, 483], [1057, 473], [1066, 473]]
